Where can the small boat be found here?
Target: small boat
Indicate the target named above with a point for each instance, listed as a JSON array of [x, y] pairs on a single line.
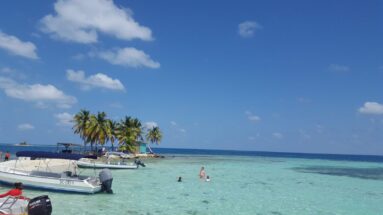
[[118, 155], [90, 163], [52, 171]]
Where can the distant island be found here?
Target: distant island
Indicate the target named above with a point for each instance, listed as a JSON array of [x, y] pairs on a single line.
[[24, 143]]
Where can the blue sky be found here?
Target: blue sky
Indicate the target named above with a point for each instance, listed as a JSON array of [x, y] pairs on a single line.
[[294, 76]]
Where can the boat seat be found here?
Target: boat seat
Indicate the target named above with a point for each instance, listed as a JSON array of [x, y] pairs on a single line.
[[46, 174]]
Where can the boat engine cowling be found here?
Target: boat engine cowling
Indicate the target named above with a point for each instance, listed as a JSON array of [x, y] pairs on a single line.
[[106, 180], [40, 205], [138, 162]]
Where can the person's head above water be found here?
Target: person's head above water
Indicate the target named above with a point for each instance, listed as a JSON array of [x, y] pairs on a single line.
[[19, 185], [180, 179]]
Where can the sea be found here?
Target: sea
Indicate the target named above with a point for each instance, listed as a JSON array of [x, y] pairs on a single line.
[[249, 183]]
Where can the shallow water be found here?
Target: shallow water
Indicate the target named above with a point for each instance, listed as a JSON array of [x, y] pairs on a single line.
[[239, 185]]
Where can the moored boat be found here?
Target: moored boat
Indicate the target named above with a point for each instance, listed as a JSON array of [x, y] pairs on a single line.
[[90, 163], [50, 173]]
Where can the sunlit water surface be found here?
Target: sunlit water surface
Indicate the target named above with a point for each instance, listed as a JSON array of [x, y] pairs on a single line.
[[239, 185]]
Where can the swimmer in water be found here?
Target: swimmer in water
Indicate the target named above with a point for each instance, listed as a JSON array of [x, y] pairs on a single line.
[[202, 173], [180, 179], [207, 178]]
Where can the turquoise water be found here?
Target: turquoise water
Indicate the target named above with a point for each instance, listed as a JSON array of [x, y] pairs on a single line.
[[239, 185]]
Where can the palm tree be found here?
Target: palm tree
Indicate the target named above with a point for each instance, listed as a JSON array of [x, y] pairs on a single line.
[[112, 131], [81, 124], [154, 135], [98, 129], [128, 132]]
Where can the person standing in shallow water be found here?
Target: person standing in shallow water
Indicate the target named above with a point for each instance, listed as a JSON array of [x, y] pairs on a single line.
[[202, 173], [7, 156]]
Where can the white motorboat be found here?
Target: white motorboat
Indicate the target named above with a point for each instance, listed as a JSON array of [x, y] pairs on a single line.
[[91, 163], [52, 174]]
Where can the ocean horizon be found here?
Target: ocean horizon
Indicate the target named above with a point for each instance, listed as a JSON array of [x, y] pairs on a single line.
[[189, 151]]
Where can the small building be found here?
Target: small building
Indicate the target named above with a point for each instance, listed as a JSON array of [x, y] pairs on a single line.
[[142, 148]]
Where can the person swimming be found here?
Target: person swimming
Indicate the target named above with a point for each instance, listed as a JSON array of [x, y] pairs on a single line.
[[180, 179], [207, 178], [202, 173]]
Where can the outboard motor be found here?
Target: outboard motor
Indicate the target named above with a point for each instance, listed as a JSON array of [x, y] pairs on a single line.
[[139, 163], [40, 205], [106, 180]]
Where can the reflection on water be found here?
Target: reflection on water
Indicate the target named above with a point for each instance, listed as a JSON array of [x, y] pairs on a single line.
[[364, 173]]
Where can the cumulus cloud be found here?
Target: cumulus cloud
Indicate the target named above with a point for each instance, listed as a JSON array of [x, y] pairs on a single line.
[[371, 108], [150, 125], [98, 80], [252, 117], [339, 68], [17, 47], [80, 21], [277, 135], [247, 29], [38, 93], [64, 119], [128, 56], [25, 126]]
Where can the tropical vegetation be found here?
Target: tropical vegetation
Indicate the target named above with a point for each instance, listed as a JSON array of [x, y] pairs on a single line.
[[98, 130]]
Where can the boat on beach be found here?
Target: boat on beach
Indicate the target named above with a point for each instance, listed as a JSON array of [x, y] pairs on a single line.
[[52, 171]]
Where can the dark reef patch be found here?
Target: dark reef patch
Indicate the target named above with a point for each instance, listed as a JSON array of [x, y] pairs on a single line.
[[375, 173]]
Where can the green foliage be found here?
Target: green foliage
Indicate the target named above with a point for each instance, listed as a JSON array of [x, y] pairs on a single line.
[[98, 130]]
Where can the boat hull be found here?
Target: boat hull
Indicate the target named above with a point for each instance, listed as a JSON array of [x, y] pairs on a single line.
[[47, 183], [95, 165]]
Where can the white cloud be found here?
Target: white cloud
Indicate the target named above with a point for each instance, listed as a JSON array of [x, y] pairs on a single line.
[[97, 80], [371, 108], [128, 56], [38, 93], [150, 125], [177, 127], [252, 117], [247, 29], [339, 68], [80, 21], [25, 126], [64, 119], [277, 135], [7, 70], [182, 130], [15, 46]]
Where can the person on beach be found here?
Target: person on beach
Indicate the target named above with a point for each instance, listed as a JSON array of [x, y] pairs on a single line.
[[180, 179], [17, 191], [7, 156], [202, 173]]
